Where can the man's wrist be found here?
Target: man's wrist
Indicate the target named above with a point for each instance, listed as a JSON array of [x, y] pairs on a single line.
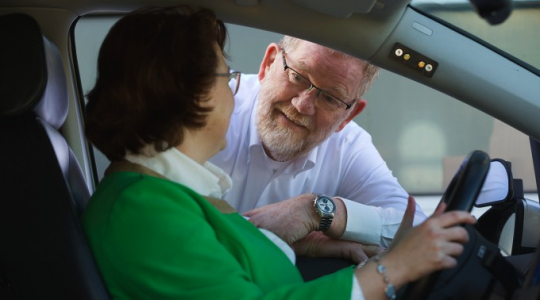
[[325, 208], [312, 216], [337, 228], [340, 220]]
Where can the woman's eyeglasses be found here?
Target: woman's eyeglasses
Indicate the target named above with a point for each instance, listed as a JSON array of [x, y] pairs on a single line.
[[232, 75]]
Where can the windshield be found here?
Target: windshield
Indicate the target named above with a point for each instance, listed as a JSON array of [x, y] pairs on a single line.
[[518, 35]]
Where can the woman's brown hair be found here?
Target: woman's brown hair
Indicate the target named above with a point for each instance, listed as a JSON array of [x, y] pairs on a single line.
[[155, 67]]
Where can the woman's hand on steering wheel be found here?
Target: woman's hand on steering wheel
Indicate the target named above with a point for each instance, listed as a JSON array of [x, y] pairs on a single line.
[[431, 246]]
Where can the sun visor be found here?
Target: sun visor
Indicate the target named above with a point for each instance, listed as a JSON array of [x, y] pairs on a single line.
[[338, 8]]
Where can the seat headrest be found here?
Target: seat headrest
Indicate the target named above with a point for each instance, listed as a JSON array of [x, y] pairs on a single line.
[[32, 78]]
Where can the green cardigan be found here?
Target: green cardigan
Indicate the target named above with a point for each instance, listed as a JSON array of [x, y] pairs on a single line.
[[155, 239]]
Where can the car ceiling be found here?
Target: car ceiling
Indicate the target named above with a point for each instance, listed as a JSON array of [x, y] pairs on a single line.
[[467, 70]]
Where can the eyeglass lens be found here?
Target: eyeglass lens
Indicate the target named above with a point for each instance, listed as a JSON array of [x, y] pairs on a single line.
[[324, 99]]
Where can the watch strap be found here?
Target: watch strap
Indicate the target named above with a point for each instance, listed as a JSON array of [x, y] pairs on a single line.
[[326, 221]]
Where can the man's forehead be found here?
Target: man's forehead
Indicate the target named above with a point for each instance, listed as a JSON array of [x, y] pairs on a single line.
[[306, 50], [308, 55], [309, 47]]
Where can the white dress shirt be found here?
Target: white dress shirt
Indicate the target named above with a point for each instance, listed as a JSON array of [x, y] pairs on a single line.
[[346, 165]]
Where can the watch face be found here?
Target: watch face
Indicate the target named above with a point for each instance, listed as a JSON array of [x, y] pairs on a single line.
[[326, 205]]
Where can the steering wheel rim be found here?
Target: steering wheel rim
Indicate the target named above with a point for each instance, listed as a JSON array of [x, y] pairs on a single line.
[[467, 183], [460, 194]]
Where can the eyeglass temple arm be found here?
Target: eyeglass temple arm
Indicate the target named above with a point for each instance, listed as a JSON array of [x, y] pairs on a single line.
[[284, 63]]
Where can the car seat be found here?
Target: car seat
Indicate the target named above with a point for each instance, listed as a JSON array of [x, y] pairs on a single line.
[[43, 250]]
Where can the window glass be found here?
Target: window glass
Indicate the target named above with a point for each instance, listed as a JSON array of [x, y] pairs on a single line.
[[518, 35], [89, 35], [421, 133]]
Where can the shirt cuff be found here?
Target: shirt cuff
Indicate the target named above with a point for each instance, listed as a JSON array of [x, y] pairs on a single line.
[[364, 224], [356, 293]]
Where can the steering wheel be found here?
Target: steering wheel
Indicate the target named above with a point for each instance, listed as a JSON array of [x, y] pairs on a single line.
[[460, 195]]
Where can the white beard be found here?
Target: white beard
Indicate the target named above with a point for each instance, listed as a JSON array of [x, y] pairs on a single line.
[[282, 143]]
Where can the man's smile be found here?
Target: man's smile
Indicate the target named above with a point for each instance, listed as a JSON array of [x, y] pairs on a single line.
[[291, 118]]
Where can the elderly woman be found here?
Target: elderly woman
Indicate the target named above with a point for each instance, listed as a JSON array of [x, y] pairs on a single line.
[[159, 110]]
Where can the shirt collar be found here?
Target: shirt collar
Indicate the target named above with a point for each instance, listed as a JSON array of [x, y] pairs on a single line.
[[206, 179], [254, 139]]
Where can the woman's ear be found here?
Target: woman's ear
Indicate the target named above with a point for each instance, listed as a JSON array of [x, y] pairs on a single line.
[[357, 108], [269, 58]]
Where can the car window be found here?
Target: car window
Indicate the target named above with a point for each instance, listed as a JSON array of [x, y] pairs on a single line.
[[518, 35], [421, 133]]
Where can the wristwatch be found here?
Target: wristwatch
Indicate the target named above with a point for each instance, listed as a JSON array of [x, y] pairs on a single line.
[[325, 207]]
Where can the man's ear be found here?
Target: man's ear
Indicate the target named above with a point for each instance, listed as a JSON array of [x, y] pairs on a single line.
[[357, 109], [269, 58]]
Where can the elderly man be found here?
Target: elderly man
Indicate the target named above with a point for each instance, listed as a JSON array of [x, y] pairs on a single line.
[[297, 161]]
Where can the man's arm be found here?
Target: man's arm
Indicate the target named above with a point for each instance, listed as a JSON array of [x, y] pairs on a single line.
[[374, 225], [294, 218], [296, 221], [374, 199]]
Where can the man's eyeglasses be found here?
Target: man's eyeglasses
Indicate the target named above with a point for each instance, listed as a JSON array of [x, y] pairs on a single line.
[[329, 101], [232, 75]]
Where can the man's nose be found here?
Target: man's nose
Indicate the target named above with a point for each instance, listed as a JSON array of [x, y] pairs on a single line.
[[306, 100], [305, 103]]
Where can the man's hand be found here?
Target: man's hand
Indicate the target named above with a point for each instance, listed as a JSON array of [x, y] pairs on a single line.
[[291, 220], [316, 244]]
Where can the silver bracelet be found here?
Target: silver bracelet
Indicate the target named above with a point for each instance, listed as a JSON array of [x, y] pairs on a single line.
[[389, 290], [360, 265]]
